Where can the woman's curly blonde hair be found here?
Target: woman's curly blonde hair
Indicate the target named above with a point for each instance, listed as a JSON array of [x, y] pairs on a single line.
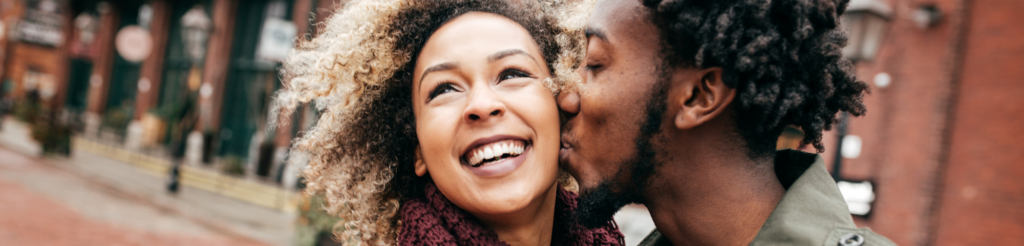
[[357, 72]]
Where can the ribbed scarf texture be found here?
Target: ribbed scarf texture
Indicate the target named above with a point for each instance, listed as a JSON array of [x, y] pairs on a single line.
[[436, 221]]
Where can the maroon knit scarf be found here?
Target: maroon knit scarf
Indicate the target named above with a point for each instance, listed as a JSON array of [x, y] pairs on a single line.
[[436, 221]]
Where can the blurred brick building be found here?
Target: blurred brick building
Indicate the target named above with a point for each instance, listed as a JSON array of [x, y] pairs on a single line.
[[33, 57], [942, 141], [126, 68]]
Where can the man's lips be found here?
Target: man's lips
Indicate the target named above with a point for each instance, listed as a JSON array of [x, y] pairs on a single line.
[[566, 159], [567, 137], [568, 141], [565, 150]]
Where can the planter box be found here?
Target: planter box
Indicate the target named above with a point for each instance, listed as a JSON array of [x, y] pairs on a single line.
[[154, 130]]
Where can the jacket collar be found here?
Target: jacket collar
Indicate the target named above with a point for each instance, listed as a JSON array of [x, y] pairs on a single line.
[[811, 207]]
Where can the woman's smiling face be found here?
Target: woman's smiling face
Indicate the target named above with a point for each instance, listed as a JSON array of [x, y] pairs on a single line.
[[487, 125]]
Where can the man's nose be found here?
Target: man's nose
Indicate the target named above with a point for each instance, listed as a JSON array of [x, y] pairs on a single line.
[[569, 99], [569, 102], [483, 105]]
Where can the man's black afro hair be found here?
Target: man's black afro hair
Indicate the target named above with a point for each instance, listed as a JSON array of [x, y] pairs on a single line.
[[784, 57]]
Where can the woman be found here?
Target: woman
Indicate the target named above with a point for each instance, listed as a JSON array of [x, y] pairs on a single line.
[[439, 124]]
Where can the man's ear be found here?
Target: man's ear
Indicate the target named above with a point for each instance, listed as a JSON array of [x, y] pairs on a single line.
[[421, 167], [702, 96]]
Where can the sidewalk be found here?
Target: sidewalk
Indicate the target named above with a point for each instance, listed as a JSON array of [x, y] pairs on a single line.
[[226, 215], [41, 204], [16, 136]]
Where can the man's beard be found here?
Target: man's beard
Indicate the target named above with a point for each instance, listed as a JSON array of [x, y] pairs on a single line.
[[597, 205]]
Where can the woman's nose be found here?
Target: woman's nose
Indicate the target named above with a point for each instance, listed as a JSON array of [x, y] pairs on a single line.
[[483, 105]]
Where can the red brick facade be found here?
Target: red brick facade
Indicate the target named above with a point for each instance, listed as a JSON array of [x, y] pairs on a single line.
[[943, 143], [19, 58]]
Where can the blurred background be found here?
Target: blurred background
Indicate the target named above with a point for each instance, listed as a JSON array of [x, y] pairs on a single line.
[[99, 98]]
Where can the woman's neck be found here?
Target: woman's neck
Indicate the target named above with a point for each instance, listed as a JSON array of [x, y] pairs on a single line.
[[530, 226]]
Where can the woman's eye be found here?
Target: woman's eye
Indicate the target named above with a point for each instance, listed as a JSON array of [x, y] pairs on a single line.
[[441, 89], [513, 73], [593, 66]]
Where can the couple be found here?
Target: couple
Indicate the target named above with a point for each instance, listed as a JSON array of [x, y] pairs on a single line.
[[459, 122]]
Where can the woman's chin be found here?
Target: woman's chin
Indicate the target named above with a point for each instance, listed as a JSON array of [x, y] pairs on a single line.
[[498, 207], [509, 200]]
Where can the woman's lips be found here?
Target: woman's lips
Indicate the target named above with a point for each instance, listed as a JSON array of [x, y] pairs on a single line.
[[491, 152], [501, 167]]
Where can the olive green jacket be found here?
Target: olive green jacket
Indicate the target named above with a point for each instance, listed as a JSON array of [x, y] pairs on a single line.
[[812, 212]]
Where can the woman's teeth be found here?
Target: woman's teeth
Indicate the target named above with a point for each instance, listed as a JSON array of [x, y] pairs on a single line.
[[495, 151]]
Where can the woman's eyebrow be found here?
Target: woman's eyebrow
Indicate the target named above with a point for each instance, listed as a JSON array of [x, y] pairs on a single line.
[[505, 53], [439, 67]]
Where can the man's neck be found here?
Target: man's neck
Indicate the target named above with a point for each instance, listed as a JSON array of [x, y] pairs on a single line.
[[711, 199]]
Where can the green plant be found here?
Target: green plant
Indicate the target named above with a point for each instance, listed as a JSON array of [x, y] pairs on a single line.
[[170, 111], [56, 140], [28, 110], [119, 117], [232, 165], [53, 136], [313, 222]]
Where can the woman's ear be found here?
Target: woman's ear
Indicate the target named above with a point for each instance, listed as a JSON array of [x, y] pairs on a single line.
[[702, 97], [421, 167]]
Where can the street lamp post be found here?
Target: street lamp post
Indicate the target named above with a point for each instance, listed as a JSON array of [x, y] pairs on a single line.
[[865, 23], [196, 26], [837, 161]]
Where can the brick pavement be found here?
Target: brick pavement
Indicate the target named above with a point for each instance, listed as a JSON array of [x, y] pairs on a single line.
[[45, 205], [121, 193]]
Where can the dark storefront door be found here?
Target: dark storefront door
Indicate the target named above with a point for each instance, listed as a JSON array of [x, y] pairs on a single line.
[[124, 78], [78, 85], [250, 83]]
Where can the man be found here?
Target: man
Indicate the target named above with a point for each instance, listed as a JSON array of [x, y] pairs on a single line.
[[680, 109]]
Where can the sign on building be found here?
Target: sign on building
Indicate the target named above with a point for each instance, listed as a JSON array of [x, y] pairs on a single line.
[[41, 23], [276, 39], [133, 43]]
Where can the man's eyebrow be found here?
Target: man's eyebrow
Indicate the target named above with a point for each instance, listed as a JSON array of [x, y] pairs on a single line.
[[437, 68], [509, 52], [590, 31]]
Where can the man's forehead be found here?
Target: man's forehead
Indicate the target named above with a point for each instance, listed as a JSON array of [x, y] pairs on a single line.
[[618, 19]]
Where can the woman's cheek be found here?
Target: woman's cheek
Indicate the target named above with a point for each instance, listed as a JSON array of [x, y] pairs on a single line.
[[545, 109], [436, 132]]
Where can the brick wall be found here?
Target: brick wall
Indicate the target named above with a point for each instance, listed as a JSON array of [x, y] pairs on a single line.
[[983, 192], [942, 142]]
